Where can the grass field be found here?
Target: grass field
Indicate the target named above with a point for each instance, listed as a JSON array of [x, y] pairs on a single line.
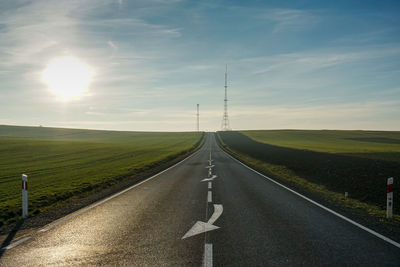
[[65, 163], [304, 162], [382, 145]]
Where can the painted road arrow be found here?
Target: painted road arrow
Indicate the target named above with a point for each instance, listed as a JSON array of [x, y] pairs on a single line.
[[202, 227], [211, 166], [209, 179]]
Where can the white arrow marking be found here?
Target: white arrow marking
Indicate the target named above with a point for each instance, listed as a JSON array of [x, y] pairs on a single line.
[[211, 166], [202, 227], [209, 179], [218, 209], [198, 228]]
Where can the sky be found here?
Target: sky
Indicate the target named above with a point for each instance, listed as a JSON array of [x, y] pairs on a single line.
[[291, 64]]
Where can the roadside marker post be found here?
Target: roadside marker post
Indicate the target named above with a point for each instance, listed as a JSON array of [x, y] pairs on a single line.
[[389, 202], [24, 196]]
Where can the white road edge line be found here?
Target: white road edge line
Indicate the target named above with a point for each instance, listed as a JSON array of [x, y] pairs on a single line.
[[209, 197], [394, 243], [208, 255], [73, 215], [209, 185], [16, 243]]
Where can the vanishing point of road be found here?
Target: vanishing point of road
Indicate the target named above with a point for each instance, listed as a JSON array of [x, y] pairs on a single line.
[[207, 210]]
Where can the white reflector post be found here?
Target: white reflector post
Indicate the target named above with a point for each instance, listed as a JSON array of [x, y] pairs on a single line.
[[24, 196], [389, 202]]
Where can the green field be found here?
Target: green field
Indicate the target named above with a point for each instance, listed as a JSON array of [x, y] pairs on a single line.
[[65, 163], [369, 144]]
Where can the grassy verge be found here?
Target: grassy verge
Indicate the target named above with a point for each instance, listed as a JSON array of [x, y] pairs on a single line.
[[66, 164], [373, 214]]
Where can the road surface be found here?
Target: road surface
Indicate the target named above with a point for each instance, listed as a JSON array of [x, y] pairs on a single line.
[[203, 212]]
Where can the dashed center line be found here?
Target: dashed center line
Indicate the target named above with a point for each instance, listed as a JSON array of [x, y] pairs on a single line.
[[208, 248], [208, 255]]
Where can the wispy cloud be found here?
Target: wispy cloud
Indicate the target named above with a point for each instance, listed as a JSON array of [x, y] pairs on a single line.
[[320, 59], [41, 30], [329, 74], [373, 115], [112, 45], [290, 19]]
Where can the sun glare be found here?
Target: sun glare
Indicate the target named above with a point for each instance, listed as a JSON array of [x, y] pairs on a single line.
[[67, 77]]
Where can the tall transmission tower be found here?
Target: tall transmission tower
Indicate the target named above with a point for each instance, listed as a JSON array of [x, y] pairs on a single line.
[[225, 119], [198, 118]]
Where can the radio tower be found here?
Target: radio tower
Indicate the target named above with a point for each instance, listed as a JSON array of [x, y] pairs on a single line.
[[198, 115], [225, 120]]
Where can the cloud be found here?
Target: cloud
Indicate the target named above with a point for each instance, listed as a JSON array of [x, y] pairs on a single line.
[[372, 115], [112, 45], [320, 59], [39, 31], [289, 19], [330, 74]]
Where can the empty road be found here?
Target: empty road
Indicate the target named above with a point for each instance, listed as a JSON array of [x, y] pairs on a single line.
[[203, 212]]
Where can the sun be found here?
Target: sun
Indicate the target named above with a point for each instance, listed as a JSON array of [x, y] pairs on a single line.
[[67, 77]]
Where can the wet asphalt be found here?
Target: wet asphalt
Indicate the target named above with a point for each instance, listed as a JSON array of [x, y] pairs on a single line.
[[262, 224]]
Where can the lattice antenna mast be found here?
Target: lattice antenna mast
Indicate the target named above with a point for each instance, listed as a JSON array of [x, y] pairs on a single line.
[[198, 118], [225, 119]]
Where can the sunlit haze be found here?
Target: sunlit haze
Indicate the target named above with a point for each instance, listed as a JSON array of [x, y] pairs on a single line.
[[67, 77], [144, 65]]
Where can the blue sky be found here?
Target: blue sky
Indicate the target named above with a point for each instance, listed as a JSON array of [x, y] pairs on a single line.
[[292, 64]]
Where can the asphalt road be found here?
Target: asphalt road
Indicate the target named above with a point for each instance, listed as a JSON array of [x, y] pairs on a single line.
[[260, 224]]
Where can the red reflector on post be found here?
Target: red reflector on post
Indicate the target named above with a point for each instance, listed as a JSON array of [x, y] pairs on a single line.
[[390, 188], [24, 185]]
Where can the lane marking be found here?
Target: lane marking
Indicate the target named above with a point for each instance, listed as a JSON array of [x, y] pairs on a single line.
[[210, 166], [208, 255], [209, 185], [73, 215], [198, 228], [16, 243], [394, 243], [218, 209], [202, 227], [209, 197], [209, 179]]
